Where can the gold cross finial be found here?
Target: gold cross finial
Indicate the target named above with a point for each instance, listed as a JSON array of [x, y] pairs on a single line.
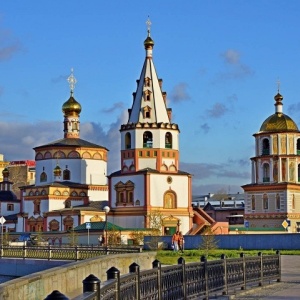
[[278, 85], [72, 81], [148, 23]]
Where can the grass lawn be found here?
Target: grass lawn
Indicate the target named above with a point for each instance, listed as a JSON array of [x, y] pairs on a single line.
[[169, 257]]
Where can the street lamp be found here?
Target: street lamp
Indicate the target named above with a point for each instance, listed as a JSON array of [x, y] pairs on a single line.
[[106, 210]]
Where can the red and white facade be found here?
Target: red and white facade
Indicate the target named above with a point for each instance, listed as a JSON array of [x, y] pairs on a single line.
[[150, 179]]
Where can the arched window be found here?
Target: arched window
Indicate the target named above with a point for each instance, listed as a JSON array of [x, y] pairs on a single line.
[[266, 147], [265, 202], [147, 139], [168, 140], [127, 140], [43, 177], [253, 202], [298, 147], [68, 204], [170, 200], [266, 172], [277, 201], [66, 174]]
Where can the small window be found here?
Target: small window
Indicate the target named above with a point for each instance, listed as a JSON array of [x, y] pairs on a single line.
[[168, 140], [265, 147], [127, 140], [155, 153], [10, 207], [266, 172], [253, 203], [265, 202], [277, 201], [140, 153], [43, 177], [147, 139], [66, 174]]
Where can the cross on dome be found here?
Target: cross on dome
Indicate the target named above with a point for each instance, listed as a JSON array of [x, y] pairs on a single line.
[[72, 81], [148, 23]]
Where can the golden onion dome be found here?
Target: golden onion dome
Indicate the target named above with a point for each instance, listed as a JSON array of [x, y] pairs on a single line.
[[71, 106], [279, 122], [5, 173], [57, 171], [148, 42]]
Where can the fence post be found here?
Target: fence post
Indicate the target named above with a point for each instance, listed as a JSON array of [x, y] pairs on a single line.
[[156, 264], [261, 269], [135, 268], [181, 261], [223, 257], [91, 284], [114, 273], [279, 265], [49, 252], [24, 251], [56, 295], [77, 253], [204, 261], [242, 255]]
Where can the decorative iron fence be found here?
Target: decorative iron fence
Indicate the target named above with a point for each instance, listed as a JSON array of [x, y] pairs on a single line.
[[182, 281], [63, 253]]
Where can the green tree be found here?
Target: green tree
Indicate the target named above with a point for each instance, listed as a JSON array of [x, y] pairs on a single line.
[[155, 222], [114, 236], [73, 237], [209, 242]]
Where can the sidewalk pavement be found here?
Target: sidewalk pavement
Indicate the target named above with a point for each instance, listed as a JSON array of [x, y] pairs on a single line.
[[287, 289]]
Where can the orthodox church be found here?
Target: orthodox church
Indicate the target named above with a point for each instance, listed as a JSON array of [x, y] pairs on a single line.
[[70, 173], [150, 179], [272, 199]]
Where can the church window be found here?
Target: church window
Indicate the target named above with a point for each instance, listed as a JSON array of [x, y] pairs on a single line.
[[147, 81], [266, 172], [54, 225], [66, 174], [277, 201], [137, 202], [155, 153], [74, 125], [265, 202], [147, 139], [82, 194], [148, 153], [128, 140], [10, 207], [74, 194], [253, 203], [299, 173], [147, 95], [170, 200], [57, 193], [68, 204], [37, 207], [147, 114], [68, 223], [293, 201], [265, 147], [124, 193], [168, 140], [140, 153], [43, 177], [298, 146]]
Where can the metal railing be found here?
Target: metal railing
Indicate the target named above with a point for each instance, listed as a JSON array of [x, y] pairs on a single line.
[[63, 252], [182, 281]]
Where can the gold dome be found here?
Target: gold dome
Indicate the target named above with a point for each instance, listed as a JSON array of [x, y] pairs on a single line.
[[148, 42], [279, 122], [57, 171], [71, 106]]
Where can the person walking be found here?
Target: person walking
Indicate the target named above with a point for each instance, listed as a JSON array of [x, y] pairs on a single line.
[[175, 240], [181, 242]]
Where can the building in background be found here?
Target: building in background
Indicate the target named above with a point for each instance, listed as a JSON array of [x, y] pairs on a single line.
[[273, 196]]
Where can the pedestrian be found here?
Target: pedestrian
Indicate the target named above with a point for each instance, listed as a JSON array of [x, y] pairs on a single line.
[[175, 240], [100, 239], [181, 242]]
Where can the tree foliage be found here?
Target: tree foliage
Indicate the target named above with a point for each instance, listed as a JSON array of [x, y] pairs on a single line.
[[209, 242]]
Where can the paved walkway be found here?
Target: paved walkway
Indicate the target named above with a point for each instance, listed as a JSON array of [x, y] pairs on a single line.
[[287, 289]]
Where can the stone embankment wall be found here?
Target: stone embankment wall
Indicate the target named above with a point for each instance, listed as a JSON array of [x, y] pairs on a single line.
[[68, 278]]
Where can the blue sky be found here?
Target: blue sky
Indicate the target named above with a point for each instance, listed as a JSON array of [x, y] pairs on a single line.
[[220, 62]]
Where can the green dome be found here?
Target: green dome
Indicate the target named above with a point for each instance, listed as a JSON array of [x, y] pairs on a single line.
[[279, 122]]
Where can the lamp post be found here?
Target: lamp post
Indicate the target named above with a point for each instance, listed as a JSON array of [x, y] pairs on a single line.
[[106, 210]]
